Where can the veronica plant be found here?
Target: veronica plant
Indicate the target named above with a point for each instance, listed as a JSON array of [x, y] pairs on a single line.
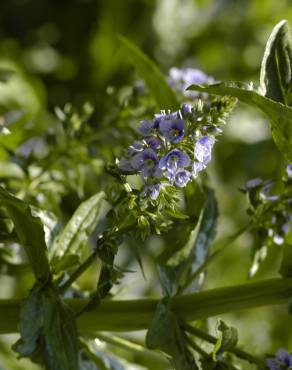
[[156, 186]]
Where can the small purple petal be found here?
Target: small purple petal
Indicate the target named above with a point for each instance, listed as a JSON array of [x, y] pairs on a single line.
[[289, 171], [147, 163], [125, 164], [154, 143], [186, 110], [172, 130], [146, 128], [194, 76], [278, 239], [165, 117], [136, 147], [272, 364], [197, 167], [203, 149], [152, 191], [173, 160], [181, 178], [253, 183]]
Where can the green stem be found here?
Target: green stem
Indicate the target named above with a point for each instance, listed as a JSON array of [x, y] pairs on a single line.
[[92, 257], [197, 348], [131, 315]]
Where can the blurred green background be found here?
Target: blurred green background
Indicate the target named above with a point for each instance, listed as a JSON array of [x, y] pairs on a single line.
[[67, 51]]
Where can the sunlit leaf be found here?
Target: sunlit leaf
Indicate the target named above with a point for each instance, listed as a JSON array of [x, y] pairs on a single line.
[[275, 78], [30, 232], [79, 227], [279, 114], [162, 93]]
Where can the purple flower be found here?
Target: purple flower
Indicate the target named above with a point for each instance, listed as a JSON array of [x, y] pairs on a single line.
[[125, 165], [203, 149], [197, 167], [147, 163], [152, 191], [180, 79], [186, 110], [194, 76], [154, 143], [181, 178], [289, 171], [282, 361], [146, 128], [137, 146], [173, 160], [165, 117], [172, 130], [253, 183]]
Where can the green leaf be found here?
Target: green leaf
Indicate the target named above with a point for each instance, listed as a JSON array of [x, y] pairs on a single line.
[[31, 322], [162, 93], [279, 114], [30, 232], [166, 335], [275, 78], [59, 334], [177, 264], [64, 263], [48, 330], [79, 228], [227, 339]]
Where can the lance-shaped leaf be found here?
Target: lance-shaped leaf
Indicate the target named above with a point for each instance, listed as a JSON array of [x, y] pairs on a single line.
[[275, 78], [166, 335], [48, 331], [30, 232], [176, 268], [59, 334], [280, 115], [162, 93], [78, 229]]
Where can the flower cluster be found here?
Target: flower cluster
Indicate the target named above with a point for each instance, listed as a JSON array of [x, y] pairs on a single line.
[[180, 79], [282, 361], [174, 147], [272, 213]]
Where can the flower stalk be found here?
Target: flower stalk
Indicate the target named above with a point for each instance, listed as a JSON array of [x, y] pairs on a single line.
[[131, 315]]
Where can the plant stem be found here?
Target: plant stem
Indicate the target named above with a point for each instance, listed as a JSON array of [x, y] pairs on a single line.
[[92, 257], [131, 315]]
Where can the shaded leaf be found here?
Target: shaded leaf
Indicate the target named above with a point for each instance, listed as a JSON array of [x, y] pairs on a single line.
[[79, 227], [275, 78], [162, 93], [227, 340], [31, 322], [177, 264], [30, 232], [166, 335], [48, 330], [59, 334], [279, 114]]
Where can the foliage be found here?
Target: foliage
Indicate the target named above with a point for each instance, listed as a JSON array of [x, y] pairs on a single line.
[[127, 192]]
